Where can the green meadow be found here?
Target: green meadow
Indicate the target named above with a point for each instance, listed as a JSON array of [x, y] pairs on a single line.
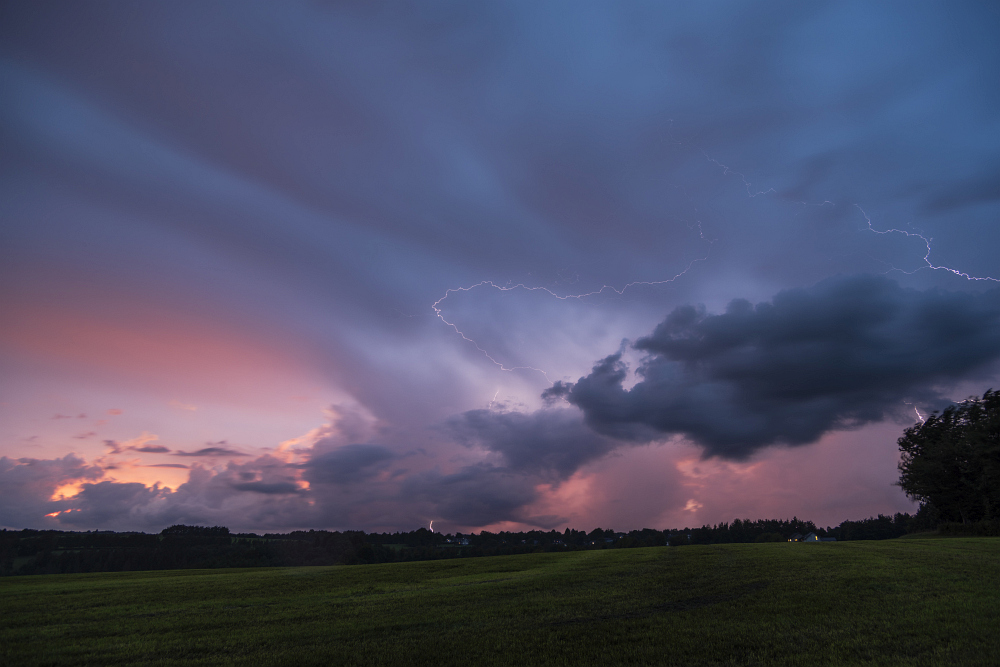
[[894, 602]]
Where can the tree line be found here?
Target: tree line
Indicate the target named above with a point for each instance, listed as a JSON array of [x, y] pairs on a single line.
[[950, 463], [185, 547]]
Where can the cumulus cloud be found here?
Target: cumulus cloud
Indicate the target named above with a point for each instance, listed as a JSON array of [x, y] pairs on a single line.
[[262, 493], [110, 503], [26, 486], [532, 450], [838, 355], [552, 442], [345, 464]]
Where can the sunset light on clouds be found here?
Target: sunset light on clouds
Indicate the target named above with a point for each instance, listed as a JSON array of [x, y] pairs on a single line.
[[496, 266]]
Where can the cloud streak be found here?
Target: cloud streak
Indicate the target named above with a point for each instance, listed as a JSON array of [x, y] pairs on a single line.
[[210, 451]]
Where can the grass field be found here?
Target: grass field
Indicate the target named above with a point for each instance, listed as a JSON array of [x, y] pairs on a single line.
[[896, 602]]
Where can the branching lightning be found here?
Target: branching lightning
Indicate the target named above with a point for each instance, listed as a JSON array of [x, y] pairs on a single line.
[[726, 171], [751, 192], [927, 255], [909, 234], [436, 306]]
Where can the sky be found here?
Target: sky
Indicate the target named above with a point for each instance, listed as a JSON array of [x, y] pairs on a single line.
[[495, 266]]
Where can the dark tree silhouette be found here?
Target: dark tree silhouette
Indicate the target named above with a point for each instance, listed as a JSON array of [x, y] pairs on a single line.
[[952, 460]]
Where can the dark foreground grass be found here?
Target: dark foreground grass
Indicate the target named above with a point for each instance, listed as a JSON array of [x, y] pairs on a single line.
[[900, 602]]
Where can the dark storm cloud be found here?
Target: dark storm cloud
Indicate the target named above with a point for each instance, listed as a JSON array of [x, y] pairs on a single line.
[[841, 354], [151, 449], [547, 442], [211, 451], [477, 495], [346, 464], [983, 188], [104, 502], [271, 488]]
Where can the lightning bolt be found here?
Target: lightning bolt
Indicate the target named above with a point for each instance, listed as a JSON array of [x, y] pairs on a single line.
[[751, 192], [436, 306], [928, 264], [746, 183], [927, 254], [920, 417]]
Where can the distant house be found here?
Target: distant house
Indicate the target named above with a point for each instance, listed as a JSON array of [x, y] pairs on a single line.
[[811, 537]]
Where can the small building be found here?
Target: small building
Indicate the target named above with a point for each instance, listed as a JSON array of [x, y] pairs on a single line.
[[797, 537]]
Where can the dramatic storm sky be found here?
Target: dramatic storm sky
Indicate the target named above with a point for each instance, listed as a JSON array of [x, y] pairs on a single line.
[[492, 265]]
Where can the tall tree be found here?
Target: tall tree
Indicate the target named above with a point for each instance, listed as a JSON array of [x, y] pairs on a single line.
[[952, 460]]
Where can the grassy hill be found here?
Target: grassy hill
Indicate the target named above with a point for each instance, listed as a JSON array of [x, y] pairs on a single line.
[[905, 602]]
